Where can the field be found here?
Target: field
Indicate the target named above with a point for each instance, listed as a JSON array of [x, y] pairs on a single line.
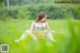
[[67, 37]]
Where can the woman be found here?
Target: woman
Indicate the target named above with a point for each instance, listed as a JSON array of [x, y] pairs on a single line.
[[39, 25]]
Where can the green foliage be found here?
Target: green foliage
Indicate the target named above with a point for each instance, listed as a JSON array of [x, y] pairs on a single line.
[[1, 1], [31, 11]]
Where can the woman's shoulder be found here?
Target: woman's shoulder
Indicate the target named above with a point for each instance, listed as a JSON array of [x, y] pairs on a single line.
[[46, 22]]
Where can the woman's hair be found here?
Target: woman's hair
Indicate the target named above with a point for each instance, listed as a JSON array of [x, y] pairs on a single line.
[[41, 16]]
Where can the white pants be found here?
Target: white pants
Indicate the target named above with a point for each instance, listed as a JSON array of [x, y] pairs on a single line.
[[49, 35]]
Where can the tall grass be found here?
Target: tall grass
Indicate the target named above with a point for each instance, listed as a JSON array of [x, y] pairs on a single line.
[[67, 41]]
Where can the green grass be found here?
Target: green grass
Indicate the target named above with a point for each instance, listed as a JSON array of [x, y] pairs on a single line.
[[67, 42]]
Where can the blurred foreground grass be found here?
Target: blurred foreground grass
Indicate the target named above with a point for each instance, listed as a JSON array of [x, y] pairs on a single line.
[[67, 42]]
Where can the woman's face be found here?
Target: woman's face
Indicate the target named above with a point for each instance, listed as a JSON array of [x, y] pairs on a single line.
[[44, 19]]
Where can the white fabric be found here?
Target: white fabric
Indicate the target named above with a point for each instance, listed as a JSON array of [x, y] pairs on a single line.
[[39, 26], [49, 35]]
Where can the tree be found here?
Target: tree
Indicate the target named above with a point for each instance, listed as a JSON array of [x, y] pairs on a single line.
[[7, 1]]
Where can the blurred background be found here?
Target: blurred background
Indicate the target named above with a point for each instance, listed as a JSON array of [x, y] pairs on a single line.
[[63, 16]]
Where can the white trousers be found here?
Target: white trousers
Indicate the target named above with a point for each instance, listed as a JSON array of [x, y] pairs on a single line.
[[48, 34]]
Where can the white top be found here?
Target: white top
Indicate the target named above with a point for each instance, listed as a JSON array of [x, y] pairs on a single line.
[[39, 26]]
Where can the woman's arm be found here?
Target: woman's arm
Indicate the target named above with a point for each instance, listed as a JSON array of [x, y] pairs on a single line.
[[32, 26], [47, 26]]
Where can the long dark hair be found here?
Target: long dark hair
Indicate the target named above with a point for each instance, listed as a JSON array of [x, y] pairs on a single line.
[[41, 16]]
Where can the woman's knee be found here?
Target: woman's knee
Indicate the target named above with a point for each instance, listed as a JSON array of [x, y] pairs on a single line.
[[28, 31], [46, 31]]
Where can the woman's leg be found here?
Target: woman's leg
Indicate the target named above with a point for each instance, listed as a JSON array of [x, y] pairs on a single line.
[[32, 35], [49, 35], [25, 34]]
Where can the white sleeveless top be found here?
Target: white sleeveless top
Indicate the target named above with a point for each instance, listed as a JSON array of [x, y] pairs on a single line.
[[39, 26]]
